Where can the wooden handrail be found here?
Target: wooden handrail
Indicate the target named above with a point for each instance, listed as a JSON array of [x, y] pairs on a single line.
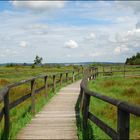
[[4, 94], [123, 112]]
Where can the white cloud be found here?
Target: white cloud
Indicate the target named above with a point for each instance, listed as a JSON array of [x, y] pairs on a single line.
[[131, 5], [128, 36], [38, 26], [9, 52], [71, 44], [136, 45], [81, 55], [124, 19], [68, 55], [23, 44], [122, 49], [95, 54], [135, 5], [117, 50], [125, 48], [92, 36], [2, 55], [46, 33], [39, 5]]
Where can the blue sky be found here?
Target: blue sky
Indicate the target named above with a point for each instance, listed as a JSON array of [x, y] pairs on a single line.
[[69, 31]]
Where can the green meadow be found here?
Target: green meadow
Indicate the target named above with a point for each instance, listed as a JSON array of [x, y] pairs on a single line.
[[14, 74], [21, 115], [116, 86], [126, 89]]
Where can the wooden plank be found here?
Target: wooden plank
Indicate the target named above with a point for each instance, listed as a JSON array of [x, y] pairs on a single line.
[[39, 89], [1, 114], [33, 96], [85, 110], [19, 101], [134, 109], [54, 83], [73, 76], [3, 92], [6, 115], [108, 130], [66, 77], [61, 79], [46, 86], [57, 120], [123, 124]]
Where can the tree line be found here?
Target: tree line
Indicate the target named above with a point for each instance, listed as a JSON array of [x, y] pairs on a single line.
[[134, 60]]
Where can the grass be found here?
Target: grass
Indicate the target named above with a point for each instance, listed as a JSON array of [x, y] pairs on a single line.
[[21, 115], [130, 69], [17, 73], [126, 89], [118, 87]]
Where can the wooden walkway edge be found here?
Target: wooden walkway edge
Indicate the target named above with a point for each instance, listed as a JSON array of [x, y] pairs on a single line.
[[57, 120]]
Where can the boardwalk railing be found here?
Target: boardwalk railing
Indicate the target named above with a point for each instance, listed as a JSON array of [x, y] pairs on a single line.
[[4, 93], [120, 70], [124, 109]]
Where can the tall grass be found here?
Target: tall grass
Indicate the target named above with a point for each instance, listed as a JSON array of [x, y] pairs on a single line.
[[126, 89], [21, 115]]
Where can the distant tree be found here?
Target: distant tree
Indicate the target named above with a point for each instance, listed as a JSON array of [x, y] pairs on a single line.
[[134, 60], [138, 55], [10, 65], [24, 64], [38, 60]]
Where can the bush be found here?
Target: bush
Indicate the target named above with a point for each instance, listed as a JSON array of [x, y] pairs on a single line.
[[33, 66]]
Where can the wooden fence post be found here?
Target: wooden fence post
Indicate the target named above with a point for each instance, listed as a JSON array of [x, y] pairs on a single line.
[[82, 98], [123, 125], [94, 77], [111, 71], [73, 77], [82, 70], [66, 77], [97, 72], [61, 79], [33, 96], [6, 116], [46, 86], [85, 110], [78, 73], [54, 83], [124, 70], [103, 70], [91, 72]]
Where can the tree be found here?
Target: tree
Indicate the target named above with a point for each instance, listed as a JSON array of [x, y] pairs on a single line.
[[134, 60], [38, 60]]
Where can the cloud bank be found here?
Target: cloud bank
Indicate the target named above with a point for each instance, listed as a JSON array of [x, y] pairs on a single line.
[[71, 44], [92, 31], [38, 5]]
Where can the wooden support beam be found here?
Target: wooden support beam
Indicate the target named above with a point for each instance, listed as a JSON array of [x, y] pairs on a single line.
[[54, 83], [61, 79], [6, 116], [123, 125], [73, 76], [66, 77], [33, 96], [46, 86], [85, 110]]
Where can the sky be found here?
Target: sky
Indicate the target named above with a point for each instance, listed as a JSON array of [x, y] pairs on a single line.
[[69, 31]]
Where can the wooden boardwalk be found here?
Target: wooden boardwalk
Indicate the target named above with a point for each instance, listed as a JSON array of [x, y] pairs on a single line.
[[57, 120]]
